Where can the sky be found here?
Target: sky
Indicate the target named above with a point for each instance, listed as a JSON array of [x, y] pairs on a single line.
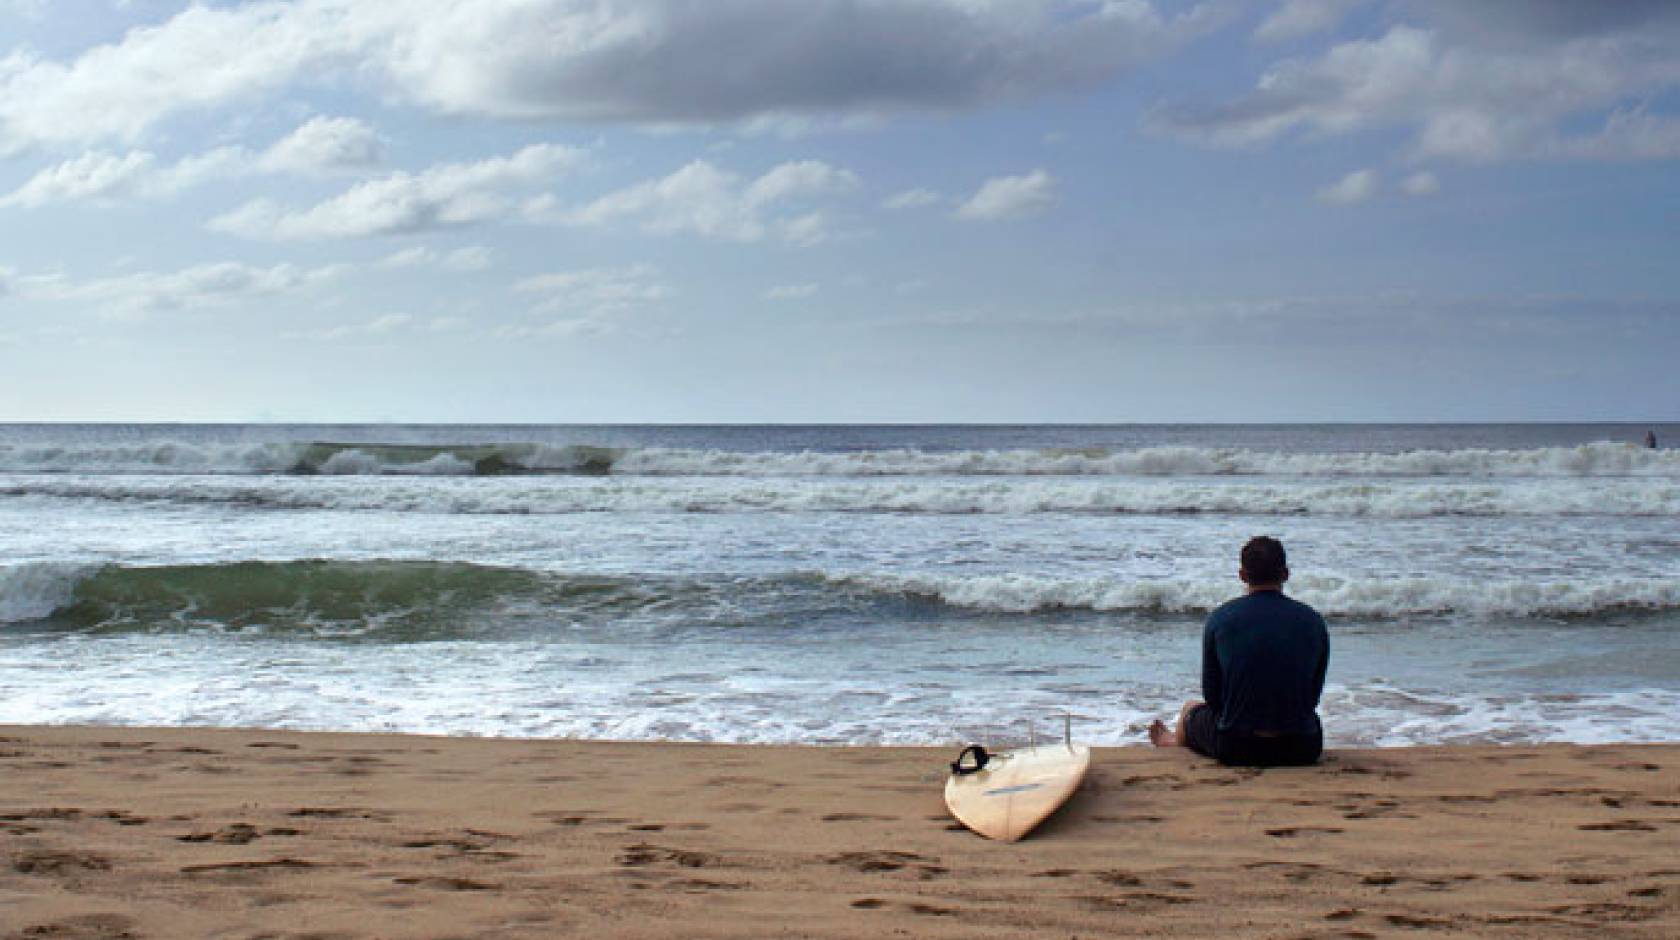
[[839, 210]]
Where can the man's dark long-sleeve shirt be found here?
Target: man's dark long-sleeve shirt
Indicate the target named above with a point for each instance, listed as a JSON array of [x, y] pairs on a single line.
[[1264, 656]]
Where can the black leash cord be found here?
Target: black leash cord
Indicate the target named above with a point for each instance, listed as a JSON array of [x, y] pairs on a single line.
[[980, 758]]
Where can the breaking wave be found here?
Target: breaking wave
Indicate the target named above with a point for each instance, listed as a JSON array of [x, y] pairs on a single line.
[[416, 600], [403, 599], [352, 459], [1394, 499], [1361, 599]]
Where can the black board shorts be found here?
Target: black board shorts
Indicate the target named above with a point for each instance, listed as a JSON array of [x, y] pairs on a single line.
[[1238, 749]]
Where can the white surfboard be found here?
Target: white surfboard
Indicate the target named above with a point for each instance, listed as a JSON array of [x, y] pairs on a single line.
[[1015, 791]]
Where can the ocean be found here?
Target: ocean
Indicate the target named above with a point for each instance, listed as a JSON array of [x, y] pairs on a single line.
[[830, 584]]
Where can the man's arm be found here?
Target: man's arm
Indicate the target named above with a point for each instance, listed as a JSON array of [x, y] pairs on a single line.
[[1323, 662], [1213, 682]]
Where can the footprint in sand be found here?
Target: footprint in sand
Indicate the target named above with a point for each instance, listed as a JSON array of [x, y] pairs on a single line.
[[339, 812], [1297, 872], [704, 885], [459, 845], [267, 864], [918, 907], [84, 927], [643, 854], [447, 884], [1607, 911], [1415, 922], [1137, 779], [1620, 825], [578, 817], [58, 863], [878, 861], [235, 834], [54, 812], [1137, 900]]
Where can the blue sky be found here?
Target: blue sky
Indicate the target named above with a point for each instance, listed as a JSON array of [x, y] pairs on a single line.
[[839, 210]]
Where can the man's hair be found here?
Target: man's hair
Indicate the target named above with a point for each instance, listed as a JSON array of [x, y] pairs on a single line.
[[1264, 561]]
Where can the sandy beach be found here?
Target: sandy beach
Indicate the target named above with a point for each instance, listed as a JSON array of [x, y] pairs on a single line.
[[140, 833]]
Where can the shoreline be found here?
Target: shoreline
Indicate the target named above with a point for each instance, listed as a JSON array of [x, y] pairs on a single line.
[[123, 832]]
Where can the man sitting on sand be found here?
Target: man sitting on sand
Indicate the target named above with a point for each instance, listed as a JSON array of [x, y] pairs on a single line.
[[1263, 662]]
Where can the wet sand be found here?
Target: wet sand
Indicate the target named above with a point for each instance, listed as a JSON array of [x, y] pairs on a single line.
[[148, 833]]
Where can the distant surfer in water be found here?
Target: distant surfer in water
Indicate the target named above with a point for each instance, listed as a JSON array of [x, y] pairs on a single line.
[[1264, 656], [1651, 439]]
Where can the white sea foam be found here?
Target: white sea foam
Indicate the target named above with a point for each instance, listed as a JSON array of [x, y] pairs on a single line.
[[1382, 498], [1381, 599], [33, 590], [538, 691], [1588, 460]]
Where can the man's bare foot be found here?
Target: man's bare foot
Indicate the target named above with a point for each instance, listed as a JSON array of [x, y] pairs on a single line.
[[1160, 735]]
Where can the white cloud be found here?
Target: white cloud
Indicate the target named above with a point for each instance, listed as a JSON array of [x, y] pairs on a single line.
[[444, 195], [1422, 183], [91, 176], [1468, 89], [105, 179], [321, 145], [471, 258], [325, 145], [1010, 197], [1356, 187], [1627, 134], [791, 292], [378, 326], [805, 231], [701, 199], [799, 180], [201, 57], [408, 258], [595, 293], [1297, 18], [199, 286], [561, 328], [591, 60], [911, 199]]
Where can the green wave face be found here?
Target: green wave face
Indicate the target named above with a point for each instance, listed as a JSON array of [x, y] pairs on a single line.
[[472, 459], [411, 599]]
